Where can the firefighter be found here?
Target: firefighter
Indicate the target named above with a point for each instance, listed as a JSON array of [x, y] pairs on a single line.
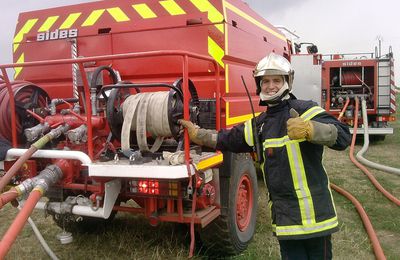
[[293, 134]]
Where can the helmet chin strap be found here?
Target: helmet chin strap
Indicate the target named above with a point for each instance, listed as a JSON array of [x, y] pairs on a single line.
[[282, 94]]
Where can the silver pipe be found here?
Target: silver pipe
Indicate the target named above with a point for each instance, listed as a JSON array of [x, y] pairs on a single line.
[[76, 210], [53, 154]]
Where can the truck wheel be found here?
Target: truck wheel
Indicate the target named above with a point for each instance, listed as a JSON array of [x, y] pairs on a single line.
[[232, 231]]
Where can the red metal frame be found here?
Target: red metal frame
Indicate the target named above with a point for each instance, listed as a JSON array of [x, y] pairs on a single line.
[[180, 216], [80, 61]]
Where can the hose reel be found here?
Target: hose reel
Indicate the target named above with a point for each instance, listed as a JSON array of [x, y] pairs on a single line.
[[156, 113], [26, 96]]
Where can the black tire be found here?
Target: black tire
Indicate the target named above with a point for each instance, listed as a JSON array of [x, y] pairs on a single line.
[[231, 233]]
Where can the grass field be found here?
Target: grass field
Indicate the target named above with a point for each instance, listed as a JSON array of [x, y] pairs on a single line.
[[131, 237]]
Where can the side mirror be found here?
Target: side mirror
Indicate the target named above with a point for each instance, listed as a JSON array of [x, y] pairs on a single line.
[[312, 49]]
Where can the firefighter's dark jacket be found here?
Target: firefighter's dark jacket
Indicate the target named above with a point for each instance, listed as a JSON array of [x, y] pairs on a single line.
[[300, 197], [4, 147]]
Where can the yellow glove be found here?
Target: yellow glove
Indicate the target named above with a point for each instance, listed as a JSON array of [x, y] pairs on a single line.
[[298, 128], [199, 135], [192, 128]]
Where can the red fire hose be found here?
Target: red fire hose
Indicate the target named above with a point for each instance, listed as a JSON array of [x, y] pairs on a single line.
[[8, 196], [19, 222], [362, 167], [344, 109], [34, 147], [367, 223], [16, 166]]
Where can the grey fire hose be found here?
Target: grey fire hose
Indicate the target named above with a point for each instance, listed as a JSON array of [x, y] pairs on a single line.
[[145, 112], [365, 147]]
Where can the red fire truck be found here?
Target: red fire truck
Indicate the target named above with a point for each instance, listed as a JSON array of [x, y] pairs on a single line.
[[335, 80], [96, 82]]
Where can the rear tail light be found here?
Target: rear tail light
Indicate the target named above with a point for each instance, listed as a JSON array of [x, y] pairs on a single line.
[[386, 118], [154, 187]]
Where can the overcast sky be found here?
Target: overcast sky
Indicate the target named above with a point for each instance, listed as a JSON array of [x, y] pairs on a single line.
[[339, 26]]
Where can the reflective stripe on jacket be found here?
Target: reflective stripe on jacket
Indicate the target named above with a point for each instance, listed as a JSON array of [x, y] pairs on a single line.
[[300, 197]]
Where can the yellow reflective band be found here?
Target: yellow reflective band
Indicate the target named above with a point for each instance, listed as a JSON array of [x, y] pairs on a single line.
[[306, 229], [144, 11], [118, 14], [329, 183], [215, 51], [248, 133], [300, 184], [226, 75], [254, 21], [263, 172], [172, 7], [71, 19], [310, 113], [279, 142], [236, 119], [93, 17], [18, 70], [276, 142], [48, 23], [24, 30], [212, 161], [270, 208], [213, 14]]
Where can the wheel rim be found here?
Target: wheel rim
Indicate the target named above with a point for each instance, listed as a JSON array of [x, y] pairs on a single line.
[[244, 202]]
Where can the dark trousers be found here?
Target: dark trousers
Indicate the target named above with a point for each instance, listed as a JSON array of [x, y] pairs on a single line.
[[317, 248]]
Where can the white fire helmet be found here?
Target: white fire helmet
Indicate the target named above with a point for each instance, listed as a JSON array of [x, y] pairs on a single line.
[[274, 64]]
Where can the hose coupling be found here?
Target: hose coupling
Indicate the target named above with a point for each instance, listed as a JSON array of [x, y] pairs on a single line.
[[49, 176], [78, 134], [55, 133], [34, 132]]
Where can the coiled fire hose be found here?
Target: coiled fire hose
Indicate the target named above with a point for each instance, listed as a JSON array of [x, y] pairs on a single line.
[[145, 112], [360, 154], [26, 95]]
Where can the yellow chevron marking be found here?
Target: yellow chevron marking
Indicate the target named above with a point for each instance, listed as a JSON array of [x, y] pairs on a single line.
[[236, 119], [215, 51], [213, 14], [172, 7], [118, 14], [93, 17], [48, 23], [144, 11], [254, 21], [71, 19], [24, 30], [18, 70]]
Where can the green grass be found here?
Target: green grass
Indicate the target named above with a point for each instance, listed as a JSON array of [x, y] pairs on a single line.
[[131, 237]]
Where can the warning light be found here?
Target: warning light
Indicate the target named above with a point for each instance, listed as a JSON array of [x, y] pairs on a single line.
[[149, 187], [154, 187]]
